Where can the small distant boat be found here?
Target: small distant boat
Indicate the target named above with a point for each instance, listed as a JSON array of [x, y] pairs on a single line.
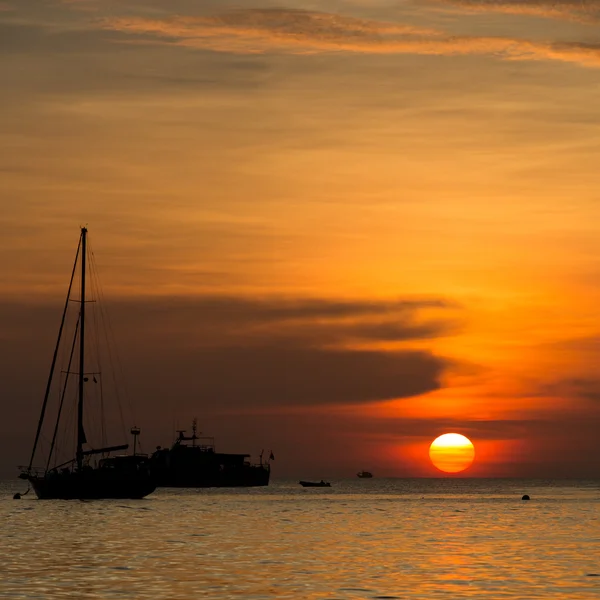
[[315, 483], [365, 475]]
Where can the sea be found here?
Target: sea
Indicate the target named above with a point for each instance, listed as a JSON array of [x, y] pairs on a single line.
[[361, 538]]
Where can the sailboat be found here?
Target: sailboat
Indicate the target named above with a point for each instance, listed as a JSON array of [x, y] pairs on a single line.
[[82, 477]]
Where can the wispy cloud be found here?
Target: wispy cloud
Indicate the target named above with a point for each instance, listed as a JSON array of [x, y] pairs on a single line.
[[263, 30], [573, 10], [304, 32], [316, 322]]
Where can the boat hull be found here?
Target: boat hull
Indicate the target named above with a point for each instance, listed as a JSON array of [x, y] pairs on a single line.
[[206, 478], [201, 467], [91, 486], [314, 484]]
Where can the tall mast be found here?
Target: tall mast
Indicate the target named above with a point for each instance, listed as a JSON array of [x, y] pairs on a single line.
[[80, 432]]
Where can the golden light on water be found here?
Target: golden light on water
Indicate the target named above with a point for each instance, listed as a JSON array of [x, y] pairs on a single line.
[[452, 453]]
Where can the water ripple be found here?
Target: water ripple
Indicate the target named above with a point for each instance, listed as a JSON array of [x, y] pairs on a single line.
[[381, 539]]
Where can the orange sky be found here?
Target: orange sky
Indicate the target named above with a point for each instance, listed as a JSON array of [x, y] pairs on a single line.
[[337, 234]]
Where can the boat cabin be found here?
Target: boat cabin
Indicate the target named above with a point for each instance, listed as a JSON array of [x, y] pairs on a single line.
[[128, 463]]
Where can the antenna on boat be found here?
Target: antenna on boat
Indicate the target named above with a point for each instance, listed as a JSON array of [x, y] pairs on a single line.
[[194, 430], [135, 431]]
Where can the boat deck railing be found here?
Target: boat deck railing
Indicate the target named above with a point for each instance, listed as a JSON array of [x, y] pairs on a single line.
[[33, 471]]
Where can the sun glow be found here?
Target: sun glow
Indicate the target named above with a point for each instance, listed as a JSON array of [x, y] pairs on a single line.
[[452, 453]]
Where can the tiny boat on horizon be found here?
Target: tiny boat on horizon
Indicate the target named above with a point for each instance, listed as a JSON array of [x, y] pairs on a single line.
[[365, 475], [315, 483]]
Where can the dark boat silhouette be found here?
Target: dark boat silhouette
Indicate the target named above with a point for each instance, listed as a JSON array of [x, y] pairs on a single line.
[[78, 478], [314, 483], [364, 475], [193, 462]]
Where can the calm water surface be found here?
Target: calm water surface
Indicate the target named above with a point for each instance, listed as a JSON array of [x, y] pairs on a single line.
[[360, 539]]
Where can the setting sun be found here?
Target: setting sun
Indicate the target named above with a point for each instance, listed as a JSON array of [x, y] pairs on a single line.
[[452, 453]]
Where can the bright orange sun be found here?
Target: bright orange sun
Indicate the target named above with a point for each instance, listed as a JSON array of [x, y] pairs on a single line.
[[452, 453]]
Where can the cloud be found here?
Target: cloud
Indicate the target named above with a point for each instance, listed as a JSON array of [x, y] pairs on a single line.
[[221, 320], [251, 353], [574, 10], [260, 31], [289, 374], [278, 309], [255, 31], [312, 322], [577, 388]]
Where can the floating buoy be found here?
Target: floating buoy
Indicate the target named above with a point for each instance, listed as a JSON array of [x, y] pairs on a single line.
[[17, 496], [525, 497]]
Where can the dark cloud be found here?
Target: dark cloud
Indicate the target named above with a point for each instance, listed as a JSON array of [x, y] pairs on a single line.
[[282, 308], [223, 320], [587, 388], [473, 428], [287, 375], [394, 332], [575, 388], [269, 351]]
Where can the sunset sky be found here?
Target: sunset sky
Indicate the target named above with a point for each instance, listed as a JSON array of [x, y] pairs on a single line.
[[332, 229]]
